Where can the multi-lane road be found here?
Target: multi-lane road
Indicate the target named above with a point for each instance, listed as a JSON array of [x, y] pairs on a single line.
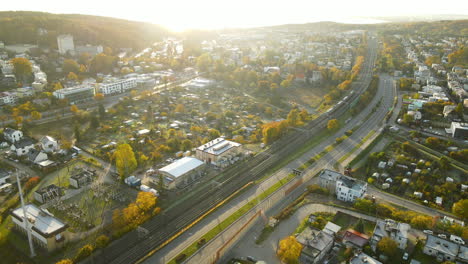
[[132, 246]]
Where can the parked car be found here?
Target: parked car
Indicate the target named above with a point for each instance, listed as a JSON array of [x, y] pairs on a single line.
[[457, 239], [250, 258], [442, 236], [428, 232], [405, 256]]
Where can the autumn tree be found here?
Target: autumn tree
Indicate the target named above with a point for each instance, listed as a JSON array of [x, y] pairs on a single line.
[[387, 246], [460, 208], [289, 250], [65, 261], [125, 160], [84, 252], [146, 201], [72, 76], [204, 61], [421, 222], [74, 109], [22, 68], [35, 115], [70, 65], [333, 125], [102, 241]]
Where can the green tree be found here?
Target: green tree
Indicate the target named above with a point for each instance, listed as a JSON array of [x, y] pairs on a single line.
[[125, 160], [460, 208], [421, 222], [333, 125], [408, 119], [293, 117], [364, 205], [70, 65], [459, 108], [387, 246], [35, 115], [204, 61]]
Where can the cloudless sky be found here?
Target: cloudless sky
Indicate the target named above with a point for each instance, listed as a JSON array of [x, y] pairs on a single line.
[[214, 14]]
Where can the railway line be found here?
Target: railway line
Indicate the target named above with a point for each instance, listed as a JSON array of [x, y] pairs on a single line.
[[134, 245]]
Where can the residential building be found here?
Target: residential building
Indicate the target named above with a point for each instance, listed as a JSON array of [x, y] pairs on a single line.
[[49, 144], [47, 193], [316, 245], [363, 258], [65, 43], [5, 176], [328, 178], [440, 248], [7, 98], [47, 231], [116, 86], [459, 130], [75, 94], [22, 146], [353, 238], [12, 135], [181, 172], [90, 49], [392, 229], [36, 156], [331, 228], [349, 189], [219, 152], [82, 178]]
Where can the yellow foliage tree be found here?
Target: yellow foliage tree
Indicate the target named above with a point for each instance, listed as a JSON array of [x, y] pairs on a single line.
[[289, 250]]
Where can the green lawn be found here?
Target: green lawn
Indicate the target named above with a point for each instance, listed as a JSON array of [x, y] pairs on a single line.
[[348, 221]]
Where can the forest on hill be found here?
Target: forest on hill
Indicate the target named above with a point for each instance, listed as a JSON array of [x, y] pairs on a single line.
[[43, 29]]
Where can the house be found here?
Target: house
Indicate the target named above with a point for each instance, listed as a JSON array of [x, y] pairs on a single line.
[[47, 193], [76, 94], [438, 200], [392, 229], [219, 152], [449, 111], [5, 176], [354, 239], [331, 228], [12, 135], [181, 171], [459, 130], [22, 146], [49, 144], [363, 258], [36, 156], [346, 188], [316, 245], [440, 248], [47, 231], [82, 177]]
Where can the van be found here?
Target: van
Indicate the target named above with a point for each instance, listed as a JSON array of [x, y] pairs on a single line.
[[457, 239]]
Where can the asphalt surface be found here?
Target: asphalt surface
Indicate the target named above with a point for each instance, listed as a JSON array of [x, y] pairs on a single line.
[[132, 246]]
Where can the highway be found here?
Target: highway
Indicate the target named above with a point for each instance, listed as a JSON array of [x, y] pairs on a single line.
[[132, 247]]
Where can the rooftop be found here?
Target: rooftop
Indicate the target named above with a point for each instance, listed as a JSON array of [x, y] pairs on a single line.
[[41, 220], [218, 146], [363, 259], [182, 166], [442, 245]]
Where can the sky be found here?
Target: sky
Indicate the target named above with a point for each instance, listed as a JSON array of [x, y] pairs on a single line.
[[179, 15]]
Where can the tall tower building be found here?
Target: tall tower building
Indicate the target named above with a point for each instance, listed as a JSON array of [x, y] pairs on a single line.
[[65, 43]]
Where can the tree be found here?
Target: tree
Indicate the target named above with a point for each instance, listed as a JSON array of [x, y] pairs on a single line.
[[84, 252], [146, 201], [293, 117], [99, 97], [204, 61], [74, 109], [72, 76], [77, 133], [408, 119], [444, 163], [364, 205], [22, 67], [333, 125], [387, 246], [459, 108], [35, 115], [102, 241], [460, 208], [359, 226], [125, 160], [179, 108], [421, 222], [102, 111], [289, 250], [70, 65], [65, 261]]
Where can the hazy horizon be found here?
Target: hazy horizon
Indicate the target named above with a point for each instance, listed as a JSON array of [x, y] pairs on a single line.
[[210, 14]]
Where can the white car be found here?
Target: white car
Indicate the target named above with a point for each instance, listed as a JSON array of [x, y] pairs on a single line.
[[428, 232], [457, 239], [405, 256], [442, 236]]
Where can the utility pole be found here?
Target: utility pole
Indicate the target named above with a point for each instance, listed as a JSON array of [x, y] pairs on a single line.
[[25, 217]]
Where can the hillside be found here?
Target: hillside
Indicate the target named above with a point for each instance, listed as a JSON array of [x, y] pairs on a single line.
[[23, 27]]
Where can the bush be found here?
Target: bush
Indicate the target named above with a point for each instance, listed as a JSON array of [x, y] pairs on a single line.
[[315, 188], [84, 252], [65, 261], [102, 241], [180, 258], [31, 183]]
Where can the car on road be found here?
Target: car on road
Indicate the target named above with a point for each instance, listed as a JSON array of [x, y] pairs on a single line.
[[405, 256], [250, 258], [457, 239], [442, 236], [428, 232]]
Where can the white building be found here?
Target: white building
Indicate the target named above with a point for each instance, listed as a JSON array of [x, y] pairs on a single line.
[[7, 98], [181, 172], [49, 144], [116, 86], [218, 152], [75, 94], [346, 189], [47, 231], [22, 146], [36, 156], [12, 135], [65, 43], [459, 130]]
